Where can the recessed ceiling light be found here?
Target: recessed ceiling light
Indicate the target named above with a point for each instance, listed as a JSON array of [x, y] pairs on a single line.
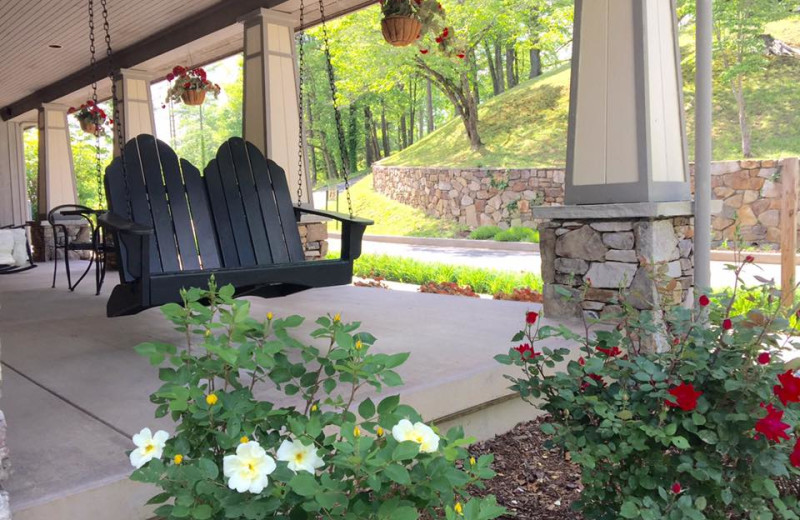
[[54, 46]]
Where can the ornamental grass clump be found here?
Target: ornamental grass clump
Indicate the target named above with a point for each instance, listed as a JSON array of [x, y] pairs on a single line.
[[268, 426], [708, 428]]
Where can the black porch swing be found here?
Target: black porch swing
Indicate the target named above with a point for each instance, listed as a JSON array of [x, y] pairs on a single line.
[[174, 227]]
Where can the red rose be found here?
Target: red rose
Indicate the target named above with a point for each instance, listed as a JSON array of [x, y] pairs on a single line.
[[771, 425], [727, 324], [438, 39], [703, 301], [90, 103], [676, 488], [424, 51], [170, 76], [71, 110], [527, 352], [531, 317], [581, 361], [446, 32], [461, 55], [178, 70], [685, 396], [790, 391], [763, 358], [610, 352], [749, 259], [794, 458], [187, 85]]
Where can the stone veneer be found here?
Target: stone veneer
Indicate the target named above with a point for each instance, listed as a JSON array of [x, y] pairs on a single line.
[[605, 257], [750, 191], [476, 196]]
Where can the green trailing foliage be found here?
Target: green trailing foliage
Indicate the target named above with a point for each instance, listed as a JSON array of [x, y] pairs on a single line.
[[707, 428], [518, 234], [340, 456], [485, 233]]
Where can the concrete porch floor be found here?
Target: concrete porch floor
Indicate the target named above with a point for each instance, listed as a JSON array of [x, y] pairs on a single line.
[[74, 391]]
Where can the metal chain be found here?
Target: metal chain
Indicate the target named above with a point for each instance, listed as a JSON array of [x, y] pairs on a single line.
[[115, 102], [301, 70], [336, 113], [98, 166]]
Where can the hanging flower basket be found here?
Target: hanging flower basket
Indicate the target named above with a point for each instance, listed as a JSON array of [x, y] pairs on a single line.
[[401, 31], [406, 21], [193, 97], [90, 116], [190, 86]]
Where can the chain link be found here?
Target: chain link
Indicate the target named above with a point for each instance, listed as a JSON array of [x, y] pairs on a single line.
[[336, 112], [98, 166], [301, 70]]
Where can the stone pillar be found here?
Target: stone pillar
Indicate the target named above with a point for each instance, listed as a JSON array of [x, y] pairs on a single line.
[[56, 170], [626, 228], [136, 105], [14, 207], [271, 117]]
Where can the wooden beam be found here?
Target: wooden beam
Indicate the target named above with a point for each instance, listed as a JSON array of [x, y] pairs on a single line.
[[789, 178], [186, 31]]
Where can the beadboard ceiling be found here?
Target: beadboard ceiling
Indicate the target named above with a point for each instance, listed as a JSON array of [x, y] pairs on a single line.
[[30, 68]]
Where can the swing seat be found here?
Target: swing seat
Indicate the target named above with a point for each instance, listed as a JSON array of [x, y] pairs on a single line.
[[174, 227]]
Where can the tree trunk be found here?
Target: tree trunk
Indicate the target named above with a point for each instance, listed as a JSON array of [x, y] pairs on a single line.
[[492, 71], [403, 132], [744, 125], [498, 65], [470, 115], [312, 160], [387, 147], [370, 137], [476, 92], [352, 139], [429, 104], [536, 63], [412, 111], [511, 56]]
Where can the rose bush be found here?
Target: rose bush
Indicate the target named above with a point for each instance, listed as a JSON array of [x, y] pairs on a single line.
[[266, 427], [707, 429]]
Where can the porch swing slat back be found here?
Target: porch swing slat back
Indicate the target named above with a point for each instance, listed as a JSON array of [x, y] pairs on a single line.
[[236, 221]]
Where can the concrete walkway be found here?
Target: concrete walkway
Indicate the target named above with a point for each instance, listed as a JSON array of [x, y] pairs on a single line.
[[531, 261], [74, 391]]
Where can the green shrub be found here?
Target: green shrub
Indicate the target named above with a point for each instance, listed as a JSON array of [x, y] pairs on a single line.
[[518, 234], [484, 232], [705, 429], [243, 455], [408, 270]]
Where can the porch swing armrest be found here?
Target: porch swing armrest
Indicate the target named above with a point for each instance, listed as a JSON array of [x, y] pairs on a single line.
[[352, 229], [121, 224]]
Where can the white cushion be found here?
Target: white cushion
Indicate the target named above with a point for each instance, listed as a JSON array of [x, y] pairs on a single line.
[[7, 247], [20, 252]]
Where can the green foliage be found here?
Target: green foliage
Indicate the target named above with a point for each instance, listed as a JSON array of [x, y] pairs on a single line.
[[484, 232], [269, 387], [407, 270], [518, 234], [609, 411]]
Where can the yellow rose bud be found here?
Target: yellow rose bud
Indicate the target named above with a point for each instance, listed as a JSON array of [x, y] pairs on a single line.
[[359, 345], [269, 316], [337, 318], [314, 408], [472, 461], [357, 432], [178, 458], [211, 399], [379, 431], [244, 440], [458, 508]]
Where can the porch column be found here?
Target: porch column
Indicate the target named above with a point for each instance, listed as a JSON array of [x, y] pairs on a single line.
[[627, 213], [136, 104], [56, 169], [702, 193], [271, 116], [14, 208]]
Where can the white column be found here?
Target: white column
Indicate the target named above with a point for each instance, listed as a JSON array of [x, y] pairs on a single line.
[[14, 207], [56, 170], [271, 117], [136, 104], [627, 139], [702, 175]]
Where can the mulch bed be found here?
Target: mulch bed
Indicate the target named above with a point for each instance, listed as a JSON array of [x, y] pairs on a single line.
[[532, 482]]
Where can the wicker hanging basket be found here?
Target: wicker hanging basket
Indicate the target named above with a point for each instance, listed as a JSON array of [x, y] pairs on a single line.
[[88, 127], [400, 31], [193, 97]]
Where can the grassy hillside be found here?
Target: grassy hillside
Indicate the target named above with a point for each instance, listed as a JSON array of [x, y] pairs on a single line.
[[527, 126]]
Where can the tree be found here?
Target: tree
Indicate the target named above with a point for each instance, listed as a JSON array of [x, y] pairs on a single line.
[[739, 27]]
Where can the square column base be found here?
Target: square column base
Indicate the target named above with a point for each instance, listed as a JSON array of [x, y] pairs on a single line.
[[639, 254]]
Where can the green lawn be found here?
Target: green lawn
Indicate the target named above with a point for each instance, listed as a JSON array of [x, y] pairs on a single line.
[[392, 217], [527, 125]]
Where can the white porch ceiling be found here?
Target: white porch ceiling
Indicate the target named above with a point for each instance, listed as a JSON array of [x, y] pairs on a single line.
[[30, 68]]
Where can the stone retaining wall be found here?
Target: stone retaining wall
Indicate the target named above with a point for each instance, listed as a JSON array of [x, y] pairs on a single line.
[[473, 197], [750, 191], [314, 236]]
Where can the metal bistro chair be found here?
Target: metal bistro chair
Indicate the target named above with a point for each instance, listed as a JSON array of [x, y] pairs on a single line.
[[73, 214]]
